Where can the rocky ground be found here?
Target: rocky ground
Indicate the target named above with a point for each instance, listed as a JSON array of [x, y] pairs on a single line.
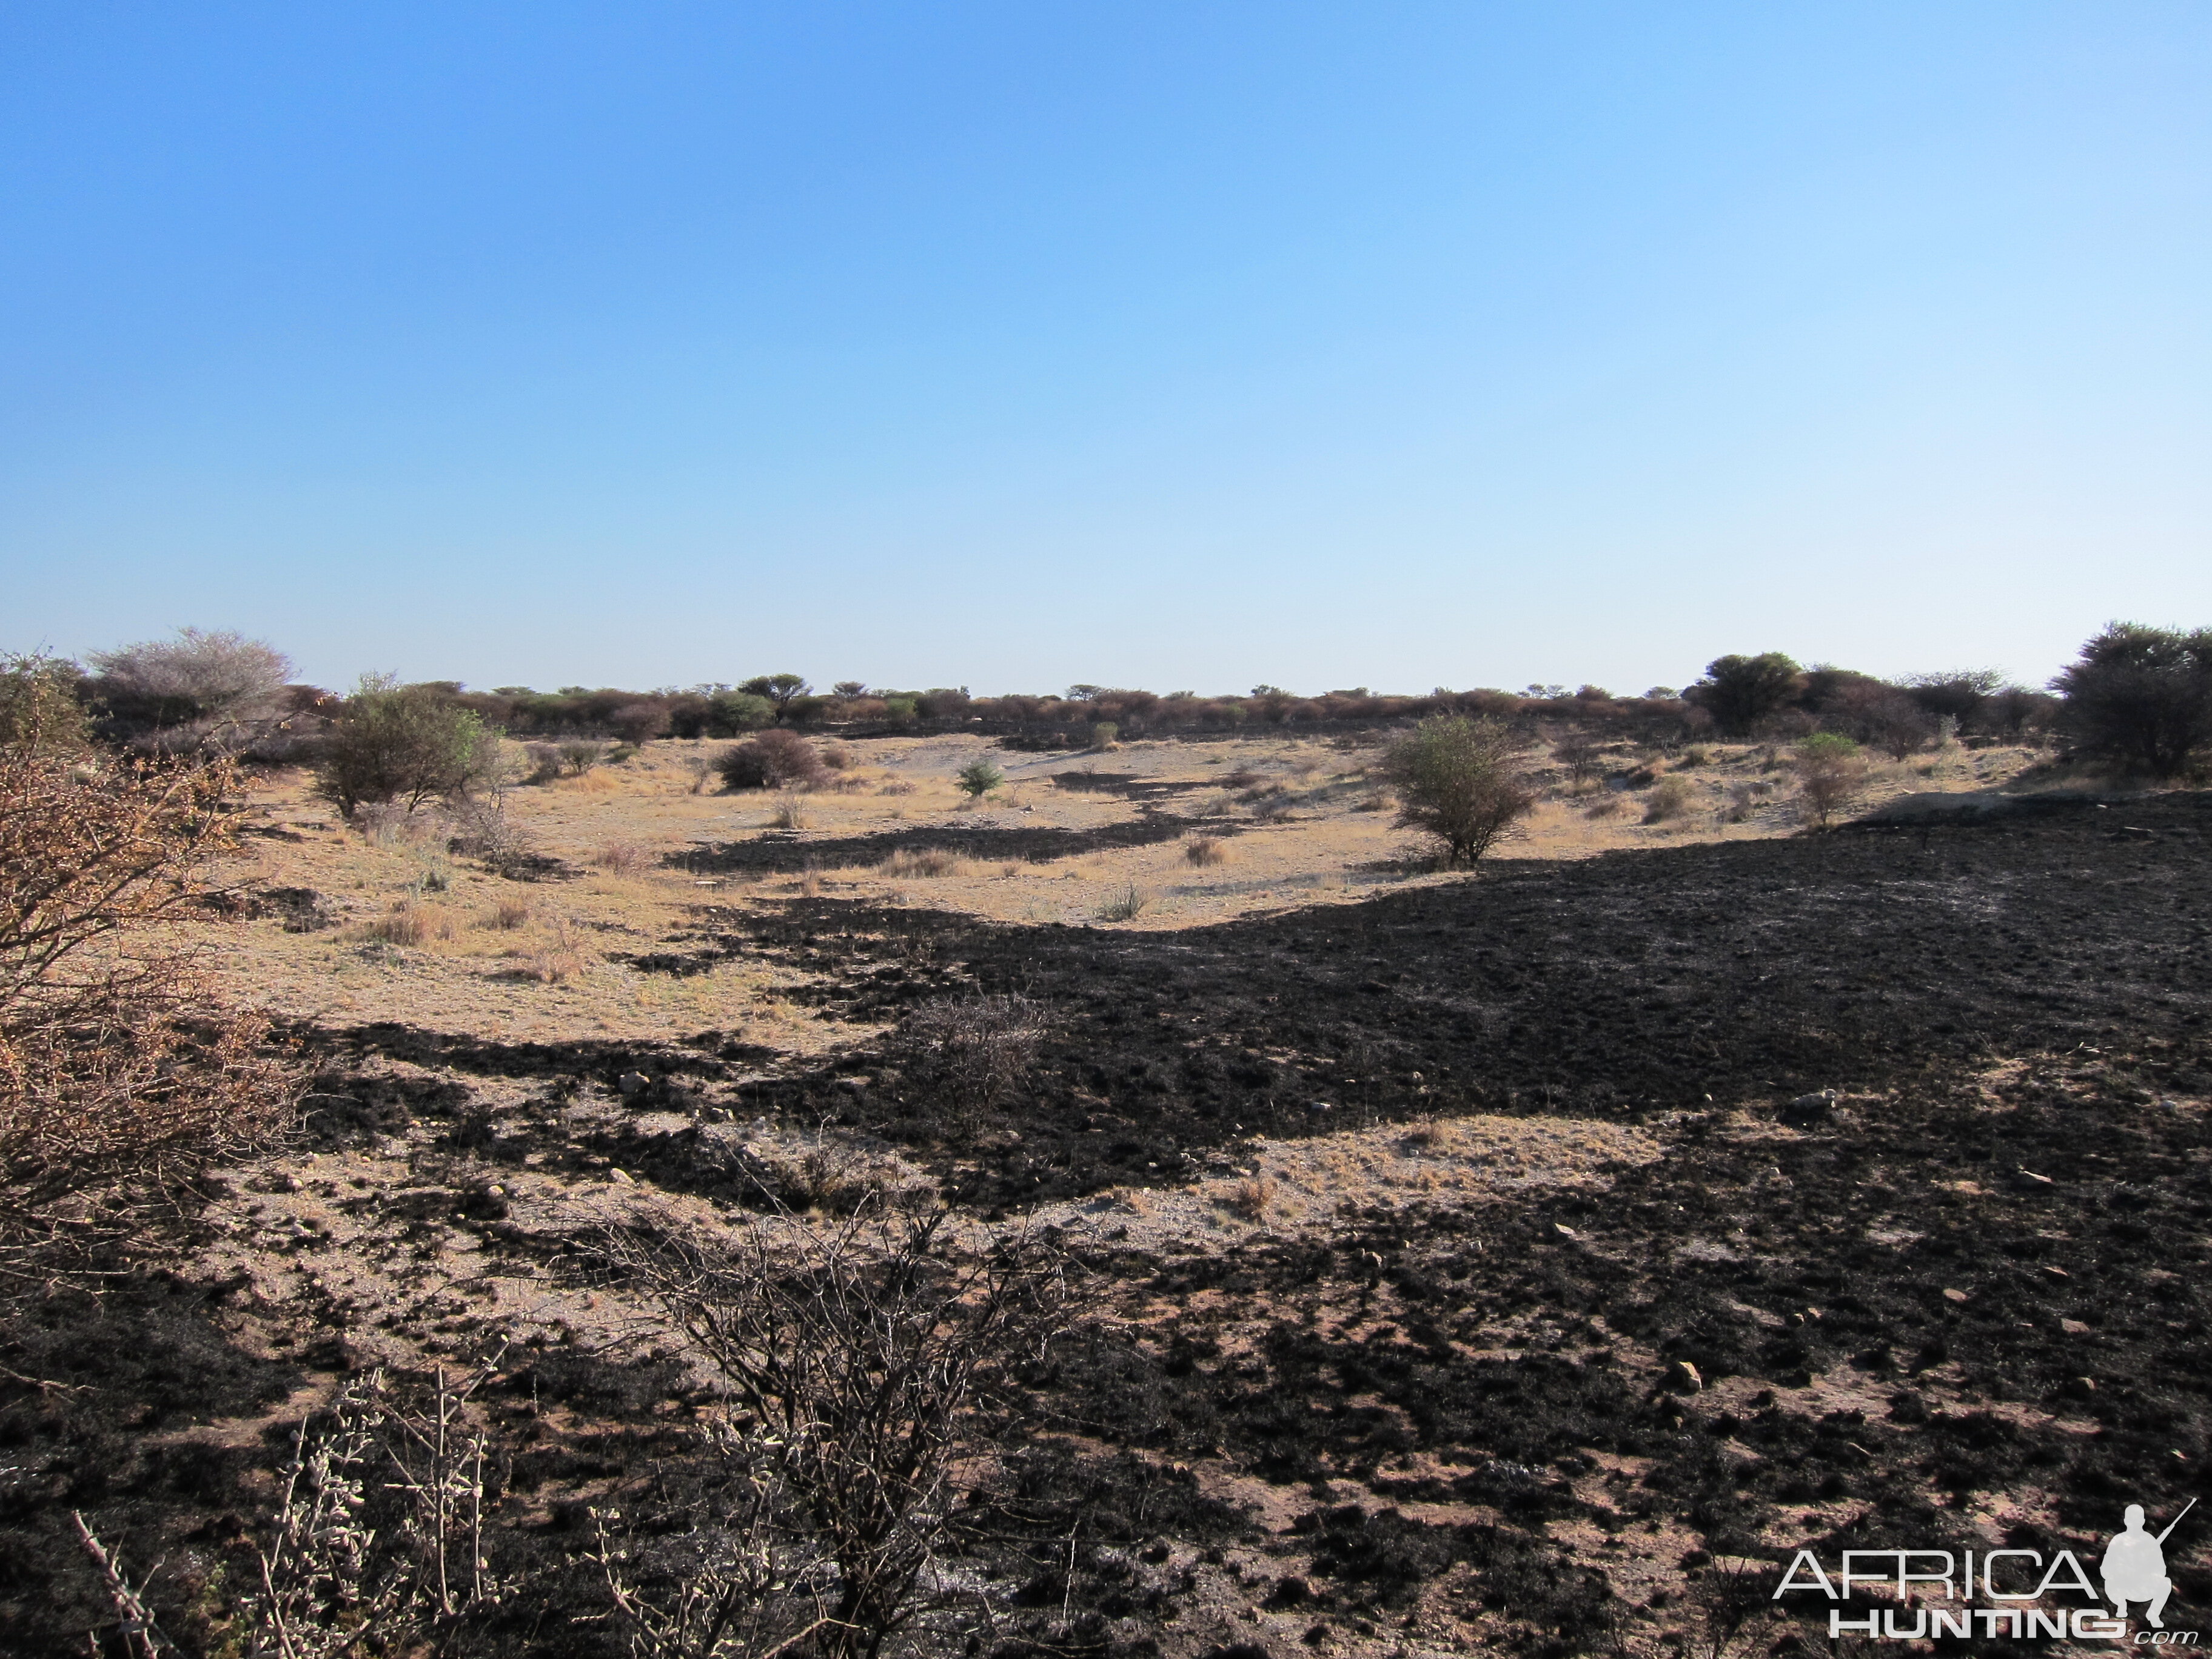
[[1493, 1265]]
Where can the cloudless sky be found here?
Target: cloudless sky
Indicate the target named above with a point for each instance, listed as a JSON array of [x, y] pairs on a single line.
[[1182, 345]]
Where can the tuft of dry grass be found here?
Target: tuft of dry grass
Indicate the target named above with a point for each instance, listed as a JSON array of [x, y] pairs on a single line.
[[789, 811], [508, 915], [1669, 798], [895, 787], [1253, 1198], [413, 924], [561, 959], [1126, 905], [1607, 806], [906, 862], [1204, 851]]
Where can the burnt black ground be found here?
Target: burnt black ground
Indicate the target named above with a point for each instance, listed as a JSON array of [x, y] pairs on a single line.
[[1627, 987], [2016, 1011]]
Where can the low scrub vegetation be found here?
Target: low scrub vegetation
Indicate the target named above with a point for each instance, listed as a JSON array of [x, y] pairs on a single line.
[[774, 760], [117, 1063]]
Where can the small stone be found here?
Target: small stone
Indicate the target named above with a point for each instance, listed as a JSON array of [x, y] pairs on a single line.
[[1683, 1373], [621, 1177], [1954, 1296], [633, 1083]]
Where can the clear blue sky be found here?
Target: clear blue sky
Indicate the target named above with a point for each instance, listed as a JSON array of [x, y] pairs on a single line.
[[1176, 345]]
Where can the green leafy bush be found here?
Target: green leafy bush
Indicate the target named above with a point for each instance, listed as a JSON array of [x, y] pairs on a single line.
[[1454, 779], [403, 743]]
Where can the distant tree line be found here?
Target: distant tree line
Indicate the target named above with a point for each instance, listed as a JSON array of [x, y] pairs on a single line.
[[2137, 697]]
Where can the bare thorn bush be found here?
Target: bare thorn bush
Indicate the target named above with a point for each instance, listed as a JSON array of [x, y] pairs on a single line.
[[622, 858], [118, 1061], [979, 1049], [853, 1354]]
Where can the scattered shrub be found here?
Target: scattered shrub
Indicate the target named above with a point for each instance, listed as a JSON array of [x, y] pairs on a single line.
[[508, 915], [1252, 1198], [979, 777], [559, 959], [622, 858], [481, 828], [1105, 734], [579, 756], [853, 1354], [1454, 776], [789, 811], [1203, 850], [774, 760], [405, 744], [1668, 798], [1831, 771], [1579, 755], [1608, 805], [836, 757]]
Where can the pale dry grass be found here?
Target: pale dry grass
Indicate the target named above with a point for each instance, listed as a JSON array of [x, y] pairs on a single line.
[[1328, 851]]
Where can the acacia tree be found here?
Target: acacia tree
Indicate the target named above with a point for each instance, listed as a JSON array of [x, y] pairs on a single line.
[[1455, 782], [1741, 691], [198, 687], [780, 689], [2140, 696]]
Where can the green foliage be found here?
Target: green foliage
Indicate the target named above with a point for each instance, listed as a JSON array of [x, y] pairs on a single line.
[[729, 713], [1831, 771], [1455, 777], [979, 777], [39, 708], [2141, 697], [404, 743], [780, 689], [1739, 692], [1104, 734]]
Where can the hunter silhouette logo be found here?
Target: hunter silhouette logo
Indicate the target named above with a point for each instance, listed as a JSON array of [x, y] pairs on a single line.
[[2134, 1566], [1925, 1594]]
